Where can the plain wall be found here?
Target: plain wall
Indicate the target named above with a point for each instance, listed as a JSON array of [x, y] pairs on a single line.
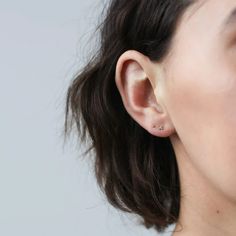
[[46, 188]]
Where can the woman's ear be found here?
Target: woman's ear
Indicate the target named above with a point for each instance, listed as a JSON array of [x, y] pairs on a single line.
[[136, 79]]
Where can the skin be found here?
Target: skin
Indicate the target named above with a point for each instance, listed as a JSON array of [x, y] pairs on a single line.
[[192, 93]]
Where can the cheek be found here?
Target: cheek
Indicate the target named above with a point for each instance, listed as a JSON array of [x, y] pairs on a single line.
[[201, 98]]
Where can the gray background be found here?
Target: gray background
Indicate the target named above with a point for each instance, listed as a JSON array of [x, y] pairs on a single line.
[[46, 189]]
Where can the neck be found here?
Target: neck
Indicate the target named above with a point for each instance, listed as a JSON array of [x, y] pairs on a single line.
[[204, 210]]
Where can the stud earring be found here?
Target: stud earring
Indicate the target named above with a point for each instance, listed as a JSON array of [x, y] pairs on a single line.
[[160, 127]]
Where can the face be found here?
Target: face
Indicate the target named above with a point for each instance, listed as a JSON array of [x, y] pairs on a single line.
[[200, 91]]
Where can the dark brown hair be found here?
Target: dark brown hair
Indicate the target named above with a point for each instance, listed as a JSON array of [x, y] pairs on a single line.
[[136, 170]]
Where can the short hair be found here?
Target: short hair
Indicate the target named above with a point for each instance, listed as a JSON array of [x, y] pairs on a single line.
[[137, 171]]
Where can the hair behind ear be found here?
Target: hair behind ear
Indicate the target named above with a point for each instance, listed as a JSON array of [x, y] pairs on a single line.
[[137, 171]]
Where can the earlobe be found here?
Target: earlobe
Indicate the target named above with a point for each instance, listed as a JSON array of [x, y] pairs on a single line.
[[136, 83]]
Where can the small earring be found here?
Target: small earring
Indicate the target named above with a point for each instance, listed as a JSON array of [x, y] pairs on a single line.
[[160, 127]]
